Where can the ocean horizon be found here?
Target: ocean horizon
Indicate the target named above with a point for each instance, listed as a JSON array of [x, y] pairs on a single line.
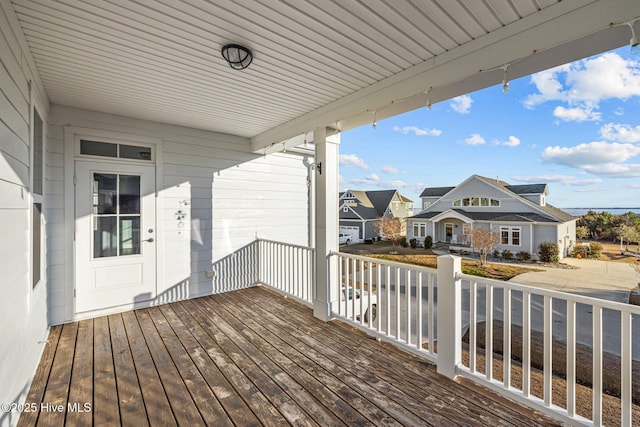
[[613, 211]]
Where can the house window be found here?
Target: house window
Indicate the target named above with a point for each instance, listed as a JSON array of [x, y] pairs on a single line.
[[37, 185], [121, 151], [476, 201], [419, 229], [510, 236], [466, 229]]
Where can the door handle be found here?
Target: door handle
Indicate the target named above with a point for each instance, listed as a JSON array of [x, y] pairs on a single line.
[[150, 239]]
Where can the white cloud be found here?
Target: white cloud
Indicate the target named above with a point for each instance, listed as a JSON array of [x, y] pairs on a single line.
[[461, 104], [390, 170], [587, 82], [590, 154], [417, 131], [511, 142], [577, 114], [475, 139], [352, 160], [616, 170], [620, 133], [561, 179]]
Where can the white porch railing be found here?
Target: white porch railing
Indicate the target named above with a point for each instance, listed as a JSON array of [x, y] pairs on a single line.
[[439, 315], [610, 330], [287, 268], [393, 301]]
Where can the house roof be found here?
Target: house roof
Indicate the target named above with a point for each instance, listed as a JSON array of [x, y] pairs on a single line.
[[371, 204], [435, 191], [528, 188], [316, 64]]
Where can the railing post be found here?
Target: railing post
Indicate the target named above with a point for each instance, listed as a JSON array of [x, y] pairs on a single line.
[[449, 316]]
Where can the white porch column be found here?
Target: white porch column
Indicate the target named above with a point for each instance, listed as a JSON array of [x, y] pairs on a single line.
[[326, 179], [449, 315]]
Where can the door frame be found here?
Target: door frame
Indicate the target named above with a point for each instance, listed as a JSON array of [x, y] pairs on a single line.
[[72, 136]]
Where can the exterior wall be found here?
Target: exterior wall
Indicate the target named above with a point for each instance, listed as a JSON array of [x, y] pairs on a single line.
[[23, 309], [230, 196], [545, 233], [427, 201], [526, 237], [370, 230], [428, 227]]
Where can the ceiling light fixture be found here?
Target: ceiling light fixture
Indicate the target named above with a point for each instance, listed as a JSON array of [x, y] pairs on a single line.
[[375, 123], [429, 99], [238, 57]]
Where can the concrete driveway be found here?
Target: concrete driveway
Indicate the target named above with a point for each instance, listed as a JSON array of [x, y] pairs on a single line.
[[594, 278]]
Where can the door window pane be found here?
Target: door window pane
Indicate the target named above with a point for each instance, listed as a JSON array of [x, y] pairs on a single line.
[[129, 194], [129, 235], [37, 153], [105, 236], [105, 193]]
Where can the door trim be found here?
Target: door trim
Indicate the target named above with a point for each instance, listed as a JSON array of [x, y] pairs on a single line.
[[72, 135]]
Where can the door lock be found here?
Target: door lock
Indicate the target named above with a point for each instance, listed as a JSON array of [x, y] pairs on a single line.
[[150, 239]]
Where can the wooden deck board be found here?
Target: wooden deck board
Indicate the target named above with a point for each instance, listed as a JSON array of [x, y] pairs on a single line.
[[247, 358]]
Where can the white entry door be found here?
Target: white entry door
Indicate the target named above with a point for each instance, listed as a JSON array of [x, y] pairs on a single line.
[[115, 238]]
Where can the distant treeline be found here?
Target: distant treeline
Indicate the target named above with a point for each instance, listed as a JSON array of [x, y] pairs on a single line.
[[605, 225]]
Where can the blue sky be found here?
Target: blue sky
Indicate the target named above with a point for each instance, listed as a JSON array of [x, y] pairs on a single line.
[[575, 127]]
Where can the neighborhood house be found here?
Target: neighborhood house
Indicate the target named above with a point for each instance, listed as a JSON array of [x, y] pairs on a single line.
[[518, 213], [360, 211]]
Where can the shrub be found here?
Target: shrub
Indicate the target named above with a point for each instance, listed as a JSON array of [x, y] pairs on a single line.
[[548, 252], [413, 243], [523, 256], [495, 254], [595, 249], [428, 242], [403, 241], [506, 254], [580, 251]]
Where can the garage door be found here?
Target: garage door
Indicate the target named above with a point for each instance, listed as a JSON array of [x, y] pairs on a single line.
[[354, 232]]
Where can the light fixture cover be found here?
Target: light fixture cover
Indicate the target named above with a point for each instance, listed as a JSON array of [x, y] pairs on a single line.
[[238, 57]]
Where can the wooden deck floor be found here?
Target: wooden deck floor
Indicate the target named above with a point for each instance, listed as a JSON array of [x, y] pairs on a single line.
[[245, 358]]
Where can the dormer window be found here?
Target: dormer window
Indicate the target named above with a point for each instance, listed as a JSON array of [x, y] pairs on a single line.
[[476, 201]]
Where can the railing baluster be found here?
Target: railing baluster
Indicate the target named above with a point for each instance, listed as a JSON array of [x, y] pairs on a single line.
[[419, 311], [431, 314], [397, 288], [388, 300], [597, 365], [506, 338], [340, 282], [571, 358], [360, 275], [526, 344], [473, 318], [548, 355], [626, 367], [370, 290], [353, 288], [378, 293], [488, 331], [407, 295]]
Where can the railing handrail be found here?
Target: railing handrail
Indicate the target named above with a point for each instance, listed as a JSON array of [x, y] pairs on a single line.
[[384, 261], [580, 299], [292, 245]]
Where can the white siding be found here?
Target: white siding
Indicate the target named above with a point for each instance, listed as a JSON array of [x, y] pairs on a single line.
[[23, 312], [228, 194]]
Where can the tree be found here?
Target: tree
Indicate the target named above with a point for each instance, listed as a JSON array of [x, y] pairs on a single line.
[[581, 232], [627, 234], [483, 241], [390, 228]]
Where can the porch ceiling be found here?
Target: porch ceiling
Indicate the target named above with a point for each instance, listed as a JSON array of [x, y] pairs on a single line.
[[316, 63]]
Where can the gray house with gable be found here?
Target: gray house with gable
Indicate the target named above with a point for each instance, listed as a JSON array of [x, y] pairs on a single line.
[[520, 214], [359, 211]]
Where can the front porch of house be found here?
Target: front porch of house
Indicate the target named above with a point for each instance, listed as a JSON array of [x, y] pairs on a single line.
[[247, 357]]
